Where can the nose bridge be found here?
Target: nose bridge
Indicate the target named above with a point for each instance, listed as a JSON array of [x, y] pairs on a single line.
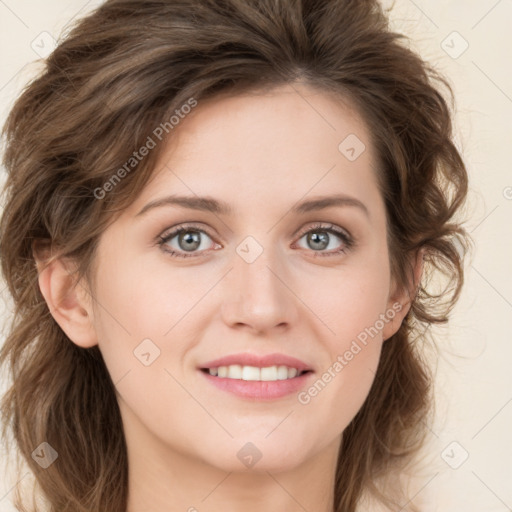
[[258, 296]]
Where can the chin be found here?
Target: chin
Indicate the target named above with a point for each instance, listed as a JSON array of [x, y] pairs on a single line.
[[258, 456]]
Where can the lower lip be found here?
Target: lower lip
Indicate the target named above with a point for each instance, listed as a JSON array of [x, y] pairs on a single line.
[[259, 390]]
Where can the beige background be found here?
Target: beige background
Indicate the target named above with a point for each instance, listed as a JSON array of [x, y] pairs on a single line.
[[474, 380]]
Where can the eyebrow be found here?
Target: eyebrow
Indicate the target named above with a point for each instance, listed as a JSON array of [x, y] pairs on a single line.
[[220, 207]]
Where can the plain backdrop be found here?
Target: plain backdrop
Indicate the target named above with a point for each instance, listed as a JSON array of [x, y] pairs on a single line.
[[469, 449]]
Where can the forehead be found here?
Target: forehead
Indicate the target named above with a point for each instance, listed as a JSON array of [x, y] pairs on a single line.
[[270, 147], [269, 120]]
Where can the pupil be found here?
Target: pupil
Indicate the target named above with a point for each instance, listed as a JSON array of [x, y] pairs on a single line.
[[322, 239], [190, 237]]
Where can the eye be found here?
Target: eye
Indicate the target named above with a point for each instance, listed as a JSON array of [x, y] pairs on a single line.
[[320, 237], [188, 240]]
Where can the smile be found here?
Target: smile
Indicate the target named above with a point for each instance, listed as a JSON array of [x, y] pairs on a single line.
[[254, 373]]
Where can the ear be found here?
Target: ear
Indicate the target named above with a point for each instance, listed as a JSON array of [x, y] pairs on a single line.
[[400, 299], [69, 302]]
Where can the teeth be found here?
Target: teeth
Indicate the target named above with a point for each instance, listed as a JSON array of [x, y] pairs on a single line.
[[292, 372], [249, 373], [234, 371], [270, 373]]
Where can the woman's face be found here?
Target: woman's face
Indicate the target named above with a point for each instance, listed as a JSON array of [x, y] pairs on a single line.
[[259, 276]]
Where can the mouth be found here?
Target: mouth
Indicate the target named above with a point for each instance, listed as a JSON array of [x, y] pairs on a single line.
[[255, 373], [257, 376], [248, 381]]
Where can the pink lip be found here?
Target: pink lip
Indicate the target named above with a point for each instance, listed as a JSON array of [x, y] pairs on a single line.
[[259, 390], [246, 359]]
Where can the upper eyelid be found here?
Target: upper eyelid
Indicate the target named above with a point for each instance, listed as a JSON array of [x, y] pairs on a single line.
[[181, 227], [328, 226]]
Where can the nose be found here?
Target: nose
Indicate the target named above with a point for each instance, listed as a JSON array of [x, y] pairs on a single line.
[[257, 296]]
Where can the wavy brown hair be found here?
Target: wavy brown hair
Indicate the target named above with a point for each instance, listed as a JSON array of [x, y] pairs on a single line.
[[118, 74]]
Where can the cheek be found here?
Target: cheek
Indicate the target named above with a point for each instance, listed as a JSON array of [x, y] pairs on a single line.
[[144, 299], [137, 316], [353, 305], [126, 312], [351, 301], [341, 387], [147, 319]]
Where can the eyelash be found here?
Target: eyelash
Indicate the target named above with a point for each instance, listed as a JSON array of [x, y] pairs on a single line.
[[330, 228]]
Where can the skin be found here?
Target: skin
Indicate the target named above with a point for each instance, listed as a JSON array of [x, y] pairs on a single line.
[[261, 153]]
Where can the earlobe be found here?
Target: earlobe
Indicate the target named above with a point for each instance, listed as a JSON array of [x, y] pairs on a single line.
[[68, 302], [400, 301]]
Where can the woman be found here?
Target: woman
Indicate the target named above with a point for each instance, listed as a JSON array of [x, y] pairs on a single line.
[[305, 155]]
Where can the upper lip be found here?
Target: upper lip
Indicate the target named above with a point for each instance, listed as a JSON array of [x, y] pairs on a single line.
[[259, 361]]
